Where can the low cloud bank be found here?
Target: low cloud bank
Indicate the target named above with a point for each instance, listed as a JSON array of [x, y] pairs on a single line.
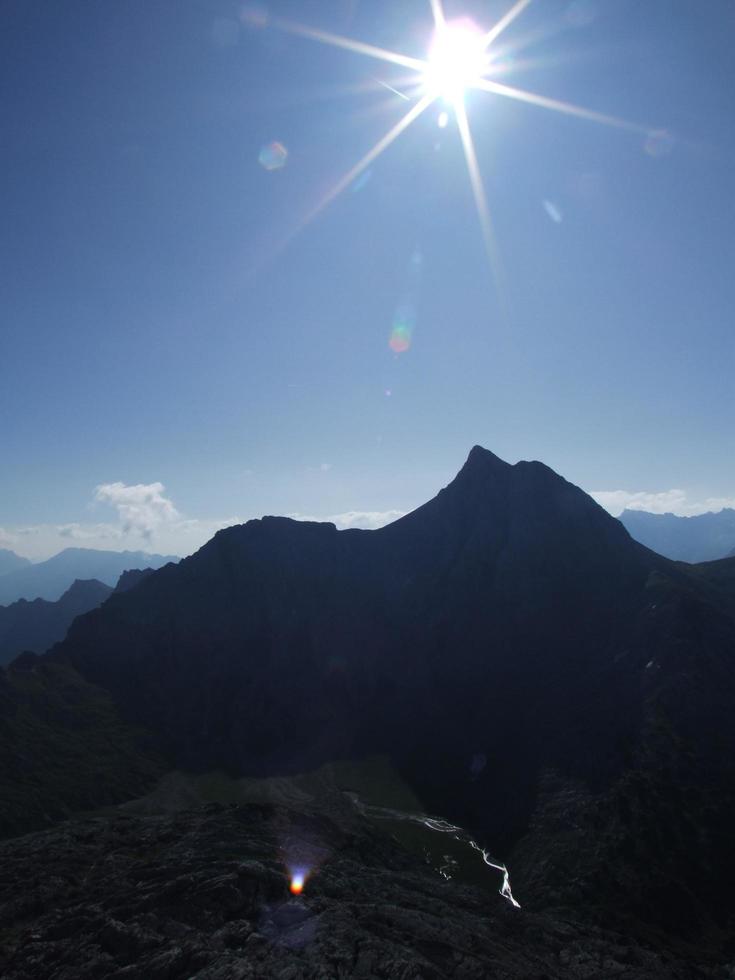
[[368, 519], [663, 502]]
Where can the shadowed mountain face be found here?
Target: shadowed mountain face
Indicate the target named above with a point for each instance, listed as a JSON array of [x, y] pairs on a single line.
[[36, 625], [705, 537], [10, 562], [341, 642], [50, 579], [534, 673]]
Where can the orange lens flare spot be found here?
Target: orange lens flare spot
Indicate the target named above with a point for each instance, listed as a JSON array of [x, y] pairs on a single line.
[[296, 885]]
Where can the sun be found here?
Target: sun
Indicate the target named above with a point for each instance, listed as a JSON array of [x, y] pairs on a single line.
[[458, 60], [461, 56]]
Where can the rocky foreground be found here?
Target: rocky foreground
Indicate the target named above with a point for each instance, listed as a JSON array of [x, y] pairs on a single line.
[[205, 893]]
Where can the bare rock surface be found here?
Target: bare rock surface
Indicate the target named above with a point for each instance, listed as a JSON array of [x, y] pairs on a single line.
[[204, 894]]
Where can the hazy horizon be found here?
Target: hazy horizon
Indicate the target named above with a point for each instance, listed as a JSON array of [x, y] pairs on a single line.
[[145, 518]]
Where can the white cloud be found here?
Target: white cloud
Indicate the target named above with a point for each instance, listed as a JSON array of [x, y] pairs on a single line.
[[673, 501], [141, 507], [370, 519], [147, 520]]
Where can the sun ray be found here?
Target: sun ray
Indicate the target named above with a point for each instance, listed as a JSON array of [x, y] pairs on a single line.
[[458, 60], [390, 88], [403, 123], [437, 12], [494, 33], [359, 47], [497, 88], [478, 188]]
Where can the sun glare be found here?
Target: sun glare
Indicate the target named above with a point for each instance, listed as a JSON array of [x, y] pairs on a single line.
[[457, 60], [460, 58]]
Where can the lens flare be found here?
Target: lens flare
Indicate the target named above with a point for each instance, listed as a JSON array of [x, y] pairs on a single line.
[[400, 338], [273, 156], [297, 882]]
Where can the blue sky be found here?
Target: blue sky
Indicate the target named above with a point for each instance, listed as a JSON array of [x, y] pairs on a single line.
[[169, 322]]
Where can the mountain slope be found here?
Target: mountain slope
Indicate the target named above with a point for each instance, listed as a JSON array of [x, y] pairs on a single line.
[[533, 673], [705, 537], [50, 579], [10, 562], [508, 645], [36, 625], [63, 747]]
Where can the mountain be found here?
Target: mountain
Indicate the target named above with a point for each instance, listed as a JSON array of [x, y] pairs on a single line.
[[705, 537], [507, 645], [204, 893], [130, 578], [10, 562], [38, 624], [50, 579], [534, 674], [63, 747]]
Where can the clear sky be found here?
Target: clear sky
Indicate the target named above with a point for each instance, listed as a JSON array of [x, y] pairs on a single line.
[[180, 347]]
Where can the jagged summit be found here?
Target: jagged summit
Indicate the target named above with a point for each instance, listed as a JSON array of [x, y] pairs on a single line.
[[479, 456]]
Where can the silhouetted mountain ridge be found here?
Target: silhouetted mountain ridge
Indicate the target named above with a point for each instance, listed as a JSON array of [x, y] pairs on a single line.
[[38, 624], [50, 579], [533, 672], [10, 562], [703, 537]]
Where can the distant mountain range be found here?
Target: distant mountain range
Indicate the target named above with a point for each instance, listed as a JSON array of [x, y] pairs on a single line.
[[10, 562], [38, 624], [533, 673], [705, 537], [50, 579]]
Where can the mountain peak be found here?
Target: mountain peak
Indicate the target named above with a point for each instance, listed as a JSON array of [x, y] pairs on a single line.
[[10, 562], [481, 457], [86, 589]]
